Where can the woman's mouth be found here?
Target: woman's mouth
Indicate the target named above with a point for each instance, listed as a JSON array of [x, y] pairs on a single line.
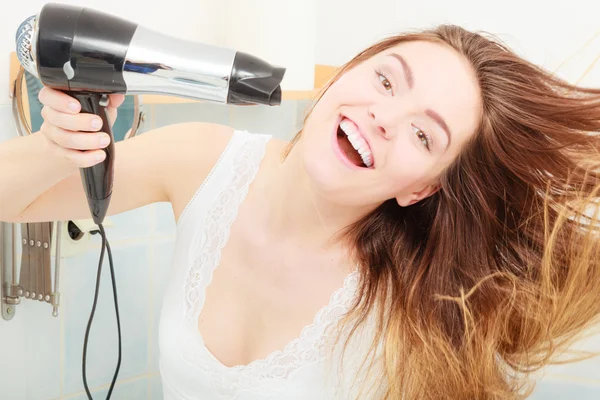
[[353, 147]]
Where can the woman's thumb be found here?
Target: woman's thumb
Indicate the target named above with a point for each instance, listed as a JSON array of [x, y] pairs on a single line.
[[112, 115], [116, 100]]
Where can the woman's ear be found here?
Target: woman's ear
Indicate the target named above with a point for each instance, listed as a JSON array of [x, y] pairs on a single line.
[[415, 197]]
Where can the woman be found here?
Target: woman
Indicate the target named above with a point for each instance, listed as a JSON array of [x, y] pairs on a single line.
[[425, 236]]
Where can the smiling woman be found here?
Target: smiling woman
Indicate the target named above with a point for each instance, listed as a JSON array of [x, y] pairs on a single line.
[[431, 233], [479, 239]]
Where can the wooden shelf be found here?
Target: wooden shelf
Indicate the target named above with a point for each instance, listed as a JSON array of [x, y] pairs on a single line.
[[286, 95]]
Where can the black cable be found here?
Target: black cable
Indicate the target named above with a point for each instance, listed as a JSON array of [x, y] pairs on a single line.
[[106, 245]]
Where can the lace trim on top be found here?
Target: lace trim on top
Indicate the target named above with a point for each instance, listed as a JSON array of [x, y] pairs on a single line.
[[309, 347], [212, 233]]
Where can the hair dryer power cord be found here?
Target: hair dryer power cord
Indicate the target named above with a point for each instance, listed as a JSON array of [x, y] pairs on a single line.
[[106, 245]]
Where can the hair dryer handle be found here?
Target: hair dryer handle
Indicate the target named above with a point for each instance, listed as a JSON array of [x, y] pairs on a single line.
[[98, 179]]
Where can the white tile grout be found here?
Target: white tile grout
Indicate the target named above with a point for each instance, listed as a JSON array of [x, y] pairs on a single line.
[[153, 117], [61, 332], [151, 262], [151, 255]]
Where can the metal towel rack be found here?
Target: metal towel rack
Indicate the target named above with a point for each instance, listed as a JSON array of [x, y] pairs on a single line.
[[35, 279]]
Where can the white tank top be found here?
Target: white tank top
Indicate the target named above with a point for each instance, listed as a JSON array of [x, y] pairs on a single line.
[[188, 370]]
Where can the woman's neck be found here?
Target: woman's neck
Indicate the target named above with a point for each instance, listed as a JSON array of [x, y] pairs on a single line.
[[293, 208]]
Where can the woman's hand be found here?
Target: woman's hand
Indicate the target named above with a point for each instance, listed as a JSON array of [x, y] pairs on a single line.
[[76, 136]]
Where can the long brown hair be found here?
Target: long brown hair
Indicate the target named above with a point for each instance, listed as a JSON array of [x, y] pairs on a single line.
[[498, 272]]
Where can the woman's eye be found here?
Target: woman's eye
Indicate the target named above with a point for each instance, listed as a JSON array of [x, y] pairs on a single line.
[[385, 82], [423, 137]]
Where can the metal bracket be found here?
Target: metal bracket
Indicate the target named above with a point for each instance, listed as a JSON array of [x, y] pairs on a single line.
[[32, 279], [8, 268], [35, 276]]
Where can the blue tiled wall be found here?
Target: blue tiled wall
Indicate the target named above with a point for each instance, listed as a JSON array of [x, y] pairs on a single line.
[[41, 355]]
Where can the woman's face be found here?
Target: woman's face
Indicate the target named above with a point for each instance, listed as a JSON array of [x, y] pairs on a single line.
[[389, 126]]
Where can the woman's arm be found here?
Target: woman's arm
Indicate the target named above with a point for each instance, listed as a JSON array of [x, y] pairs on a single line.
[[164, 164]]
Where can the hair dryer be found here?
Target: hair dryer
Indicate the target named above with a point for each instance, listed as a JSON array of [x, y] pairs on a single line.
[[90, 54]]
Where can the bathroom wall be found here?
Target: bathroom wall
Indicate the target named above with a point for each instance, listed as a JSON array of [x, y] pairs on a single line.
[[547, 33]]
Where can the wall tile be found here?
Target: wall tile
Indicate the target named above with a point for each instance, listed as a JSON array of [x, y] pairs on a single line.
[[132, 390], [7, 126], [156, 392], [161, 265], [165, 220], [131, 270], [167, 114], [13, 382], [302, 109], [42, 363], [279, 121], [30, 368], [132, 224]]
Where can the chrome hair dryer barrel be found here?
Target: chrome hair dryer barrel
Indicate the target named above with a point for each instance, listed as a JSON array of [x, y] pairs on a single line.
[[90, 54]]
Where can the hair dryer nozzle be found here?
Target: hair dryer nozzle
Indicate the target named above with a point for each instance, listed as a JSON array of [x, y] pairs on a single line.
[[254, 81]]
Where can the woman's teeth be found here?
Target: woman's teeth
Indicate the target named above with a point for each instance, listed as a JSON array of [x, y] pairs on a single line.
[[356, 140]]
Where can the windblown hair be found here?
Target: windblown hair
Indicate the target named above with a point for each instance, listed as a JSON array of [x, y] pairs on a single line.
[[497, 273]]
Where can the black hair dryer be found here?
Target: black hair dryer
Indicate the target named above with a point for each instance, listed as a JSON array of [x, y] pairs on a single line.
[[89, 54]]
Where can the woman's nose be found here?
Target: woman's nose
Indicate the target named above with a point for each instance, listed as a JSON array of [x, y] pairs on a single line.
[[378, 127], [383, 121]]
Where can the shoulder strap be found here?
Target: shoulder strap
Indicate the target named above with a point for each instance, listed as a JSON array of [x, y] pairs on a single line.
[[216, 209], [243, 150]]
